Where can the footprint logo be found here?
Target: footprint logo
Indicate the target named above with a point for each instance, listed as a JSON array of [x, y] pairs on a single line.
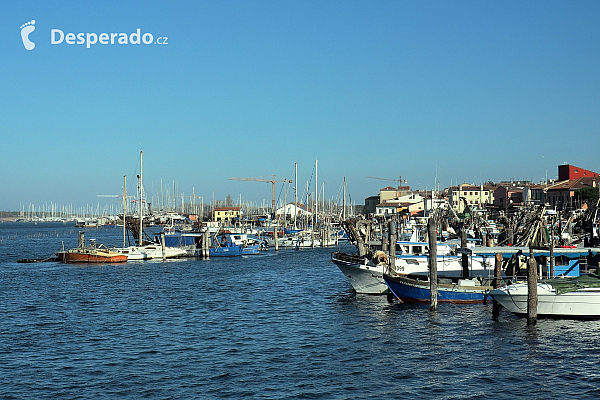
[[26, 29]]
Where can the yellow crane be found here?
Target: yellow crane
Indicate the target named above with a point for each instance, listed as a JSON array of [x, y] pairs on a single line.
[[272, 181]]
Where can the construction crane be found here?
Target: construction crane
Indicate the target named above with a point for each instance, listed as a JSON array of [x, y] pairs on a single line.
[[394, 180], [272, 181]]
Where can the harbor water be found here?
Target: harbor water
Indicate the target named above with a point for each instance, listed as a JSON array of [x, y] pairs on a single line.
[[279, 325]]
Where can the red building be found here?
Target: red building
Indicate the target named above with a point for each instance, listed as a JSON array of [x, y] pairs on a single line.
[[569, 172]]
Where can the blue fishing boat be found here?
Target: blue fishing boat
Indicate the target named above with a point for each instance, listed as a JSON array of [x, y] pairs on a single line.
[[464, 291], [222, 245]]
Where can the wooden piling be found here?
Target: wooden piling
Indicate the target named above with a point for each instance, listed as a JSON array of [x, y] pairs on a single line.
[[162, 245], [465, 257], [510, 235], [393, 239], [552, 249], [384, 239], [205, 245], [81, 240], [431, 232], [496, 284], [532, 295]]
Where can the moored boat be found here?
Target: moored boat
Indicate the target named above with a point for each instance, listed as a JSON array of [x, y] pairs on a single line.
[[150, 251], [561, 297], [92, 253], [95, 256], [464, 291], [365, 275], [222, 245]]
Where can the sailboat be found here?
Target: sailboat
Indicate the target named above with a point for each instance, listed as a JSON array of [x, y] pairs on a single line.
[[145, 250]]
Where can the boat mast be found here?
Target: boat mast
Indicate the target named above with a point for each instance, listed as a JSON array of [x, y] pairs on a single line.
[[295, 195], [141, 197], [124, 209], [344, 202], [316, 193]]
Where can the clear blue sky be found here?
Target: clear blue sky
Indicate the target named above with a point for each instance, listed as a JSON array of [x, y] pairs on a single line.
[[467, 90]]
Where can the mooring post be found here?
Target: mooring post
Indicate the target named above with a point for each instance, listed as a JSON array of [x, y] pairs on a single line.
[[162, 245], [532, 295], [81, 240], [496, 284], [206, 245], [384, 238], [552, 248], [465, 257], [431, 232], [393, 235]]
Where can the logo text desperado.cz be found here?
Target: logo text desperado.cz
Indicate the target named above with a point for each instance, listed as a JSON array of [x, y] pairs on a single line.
[[57, 36]]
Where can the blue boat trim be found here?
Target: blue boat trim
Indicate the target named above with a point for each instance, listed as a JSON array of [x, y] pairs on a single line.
[[416, 291]]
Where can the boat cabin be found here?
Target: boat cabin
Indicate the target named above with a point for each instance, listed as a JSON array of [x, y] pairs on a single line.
[[419, 249]]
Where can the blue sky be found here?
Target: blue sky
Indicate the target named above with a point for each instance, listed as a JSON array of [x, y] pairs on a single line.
[[467, 91]]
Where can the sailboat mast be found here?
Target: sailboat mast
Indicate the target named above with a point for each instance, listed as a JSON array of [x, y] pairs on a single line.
[[344, 202], [141, 197], [124, 209], [316, 193], [295, 195]]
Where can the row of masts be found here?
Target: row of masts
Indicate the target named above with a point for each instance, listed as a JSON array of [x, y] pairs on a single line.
[[54, 211]]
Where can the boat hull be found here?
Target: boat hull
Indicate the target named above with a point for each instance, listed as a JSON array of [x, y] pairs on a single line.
[[226, 251], [583, 303], [251, 250], [91, 257], [416, 291], [150, 252], [364, 278]]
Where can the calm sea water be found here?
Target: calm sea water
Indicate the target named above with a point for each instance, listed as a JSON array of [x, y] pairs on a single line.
[[283, 325]]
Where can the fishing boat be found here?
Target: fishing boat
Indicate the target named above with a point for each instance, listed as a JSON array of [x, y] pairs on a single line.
[[249, 245], [412, 259], [223, 246], [92, 253], [366, 273], [561, 297], [463, 291]]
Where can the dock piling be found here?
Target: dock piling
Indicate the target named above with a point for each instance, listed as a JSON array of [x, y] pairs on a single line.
[[432, 234], [496, 284], [532, 295]]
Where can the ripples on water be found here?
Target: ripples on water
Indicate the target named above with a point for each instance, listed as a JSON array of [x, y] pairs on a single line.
[[273, 326]]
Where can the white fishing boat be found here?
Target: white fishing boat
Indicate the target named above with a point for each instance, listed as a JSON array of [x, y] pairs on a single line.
[[366, 274], [412, 259], [577, 297]]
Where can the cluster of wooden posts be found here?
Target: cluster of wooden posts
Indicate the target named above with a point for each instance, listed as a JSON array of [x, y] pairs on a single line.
[[532, 277]]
